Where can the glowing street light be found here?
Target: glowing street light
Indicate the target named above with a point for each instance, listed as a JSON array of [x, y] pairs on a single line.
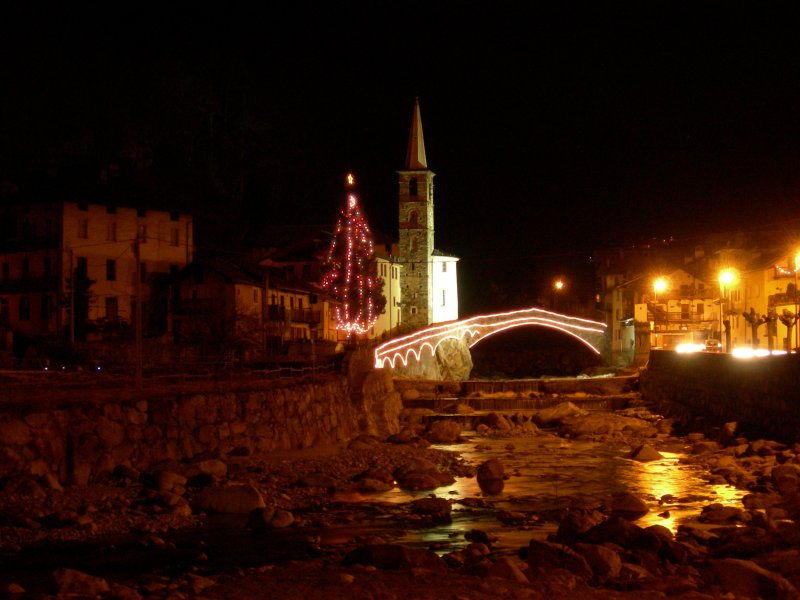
[[660, 286], [558, 285]]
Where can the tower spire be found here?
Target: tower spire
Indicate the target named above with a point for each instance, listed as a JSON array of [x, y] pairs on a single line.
[[415, 157]]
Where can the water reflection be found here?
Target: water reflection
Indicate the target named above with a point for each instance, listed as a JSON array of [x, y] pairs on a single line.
[[549, 473]]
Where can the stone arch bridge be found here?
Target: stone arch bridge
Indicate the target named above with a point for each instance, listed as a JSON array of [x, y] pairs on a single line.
[[402, 352]]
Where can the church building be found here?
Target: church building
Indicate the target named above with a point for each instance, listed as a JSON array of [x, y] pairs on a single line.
[[430, 280]]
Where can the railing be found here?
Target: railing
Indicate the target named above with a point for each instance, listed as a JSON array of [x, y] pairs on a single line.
[[305, 315]]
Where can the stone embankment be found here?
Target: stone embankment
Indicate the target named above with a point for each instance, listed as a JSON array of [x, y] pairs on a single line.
[[761, 394]]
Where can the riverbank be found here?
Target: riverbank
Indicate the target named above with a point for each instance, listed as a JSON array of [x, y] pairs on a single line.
[[146, 534]]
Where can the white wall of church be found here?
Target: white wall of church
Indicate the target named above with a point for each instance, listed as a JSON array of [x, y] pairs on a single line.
[[445, 289]]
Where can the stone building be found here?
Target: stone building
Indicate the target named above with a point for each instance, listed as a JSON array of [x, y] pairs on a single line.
[[70, 267], [429, 286]]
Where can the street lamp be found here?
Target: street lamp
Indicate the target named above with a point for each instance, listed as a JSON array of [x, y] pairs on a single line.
[[726, 277]]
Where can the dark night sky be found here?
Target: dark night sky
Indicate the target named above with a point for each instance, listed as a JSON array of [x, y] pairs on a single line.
[[552, 131]]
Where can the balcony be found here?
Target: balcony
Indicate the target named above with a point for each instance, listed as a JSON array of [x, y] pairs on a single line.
[[305, 315]]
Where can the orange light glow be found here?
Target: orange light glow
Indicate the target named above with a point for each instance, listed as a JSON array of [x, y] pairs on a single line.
[[660, 285], [350, 179]]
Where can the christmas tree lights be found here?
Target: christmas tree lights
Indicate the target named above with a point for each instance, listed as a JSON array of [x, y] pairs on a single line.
[[349, 272]]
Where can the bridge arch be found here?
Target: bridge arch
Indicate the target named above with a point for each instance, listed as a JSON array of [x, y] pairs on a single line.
[[402, 350]]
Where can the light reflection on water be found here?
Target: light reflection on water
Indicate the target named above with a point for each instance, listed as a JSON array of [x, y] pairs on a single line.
[[550, 473]]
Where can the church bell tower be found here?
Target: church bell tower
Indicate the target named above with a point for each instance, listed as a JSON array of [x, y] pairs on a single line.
[[416, 230]]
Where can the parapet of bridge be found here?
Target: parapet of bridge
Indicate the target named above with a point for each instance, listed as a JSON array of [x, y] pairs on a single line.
[[475, 329]]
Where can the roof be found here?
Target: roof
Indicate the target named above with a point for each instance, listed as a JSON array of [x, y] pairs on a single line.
[[415, 157]]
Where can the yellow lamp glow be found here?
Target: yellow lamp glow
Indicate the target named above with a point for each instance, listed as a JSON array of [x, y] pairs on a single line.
[[559, 284], [660, 285], [727, 276]]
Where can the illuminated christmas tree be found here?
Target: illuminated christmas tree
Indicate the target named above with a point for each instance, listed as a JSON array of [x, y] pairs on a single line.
[[349, 273]]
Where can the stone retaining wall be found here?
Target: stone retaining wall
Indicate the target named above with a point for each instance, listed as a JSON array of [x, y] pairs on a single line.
[[80, 441], [762, 394]]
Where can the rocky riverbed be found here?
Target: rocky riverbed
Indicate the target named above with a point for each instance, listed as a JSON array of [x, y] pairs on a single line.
[[306, 524]]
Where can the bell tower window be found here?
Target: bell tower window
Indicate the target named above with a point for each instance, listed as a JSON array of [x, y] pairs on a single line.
[[412, 186]]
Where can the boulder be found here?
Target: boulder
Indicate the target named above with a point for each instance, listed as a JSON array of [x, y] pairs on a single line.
[[394, 557], [444, 431], [628, 505], [746, 579], [436, 508], [785, 478], [559, 413], [544, 556], [605, 562], [645, 453], [509, 567], [71, 583], [491, 476]]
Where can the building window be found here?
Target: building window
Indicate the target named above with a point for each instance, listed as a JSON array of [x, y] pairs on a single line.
[[82, 269], [111, 270], [26, 269], [24, 308], [6, 271], [47, 308], [444, 267], [444, 302], [412, 186], [143, 272], [141, 213], [111, 209], [173, 236], [111, 232], [413, 310], [83, 206], [142, 234], [83, 228], [255, 295], [173, 216]]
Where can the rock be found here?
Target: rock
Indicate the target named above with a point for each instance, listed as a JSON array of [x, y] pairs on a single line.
[[490, 476], [168, 481], [15, 432], [718, 513], [758, 500], [544, 556], [259, 518], [646, 453], [240, 498], [509, 567], [605, 562], [70, 582], [615, 530], [594, 424], [575, 523], [198, 583], [437, 508], [558, 413], [457, 408], [785, 478], [746, 579], [13, 588], [705, 447], [495, 421], [394, 557], [281, 518], [411, 394], [443, 431], [628, 505]]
